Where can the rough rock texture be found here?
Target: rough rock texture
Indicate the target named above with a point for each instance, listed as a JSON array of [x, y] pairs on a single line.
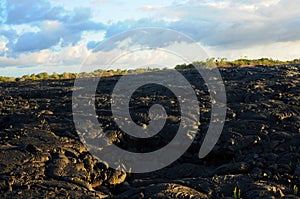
[[257, 155]]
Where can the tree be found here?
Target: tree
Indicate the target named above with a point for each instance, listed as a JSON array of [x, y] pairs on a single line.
[[33, 77], [54, 76], [43, 75], [66, 75], [210, 63]]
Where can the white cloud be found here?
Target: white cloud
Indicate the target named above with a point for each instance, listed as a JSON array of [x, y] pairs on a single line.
[[68, 59], [118, 58], [276, 50], [150, 8]]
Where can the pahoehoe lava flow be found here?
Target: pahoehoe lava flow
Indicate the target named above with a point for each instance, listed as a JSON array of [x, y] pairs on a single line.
[[257, 155]]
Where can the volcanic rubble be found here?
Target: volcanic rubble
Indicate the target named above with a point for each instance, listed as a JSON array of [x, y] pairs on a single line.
[[256, 156]]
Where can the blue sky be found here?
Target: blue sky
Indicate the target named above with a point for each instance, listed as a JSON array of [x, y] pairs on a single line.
[[57, 36]]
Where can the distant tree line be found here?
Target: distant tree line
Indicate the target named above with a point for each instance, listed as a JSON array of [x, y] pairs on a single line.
[[66, 75], [219, 62], [223, 62]]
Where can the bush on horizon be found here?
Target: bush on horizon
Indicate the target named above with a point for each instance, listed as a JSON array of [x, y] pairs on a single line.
[[211, 62]]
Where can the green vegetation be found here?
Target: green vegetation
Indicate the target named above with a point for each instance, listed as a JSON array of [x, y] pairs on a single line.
[[236, 193], [295, 190], [65, 75], [44, 75], [223, 62], [219, 62], [255, 62], [7, 79]]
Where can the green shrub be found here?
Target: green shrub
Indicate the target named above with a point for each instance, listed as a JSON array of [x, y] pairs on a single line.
[[211, 62]]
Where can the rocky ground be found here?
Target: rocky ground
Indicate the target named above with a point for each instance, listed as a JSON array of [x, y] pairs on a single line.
[[257, 155]]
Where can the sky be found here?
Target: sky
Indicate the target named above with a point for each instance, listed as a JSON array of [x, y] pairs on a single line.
[[58, 36]]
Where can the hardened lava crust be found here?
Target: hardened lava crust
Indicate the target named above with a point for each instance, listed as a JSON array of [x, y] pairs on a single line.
[[257, 155]]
